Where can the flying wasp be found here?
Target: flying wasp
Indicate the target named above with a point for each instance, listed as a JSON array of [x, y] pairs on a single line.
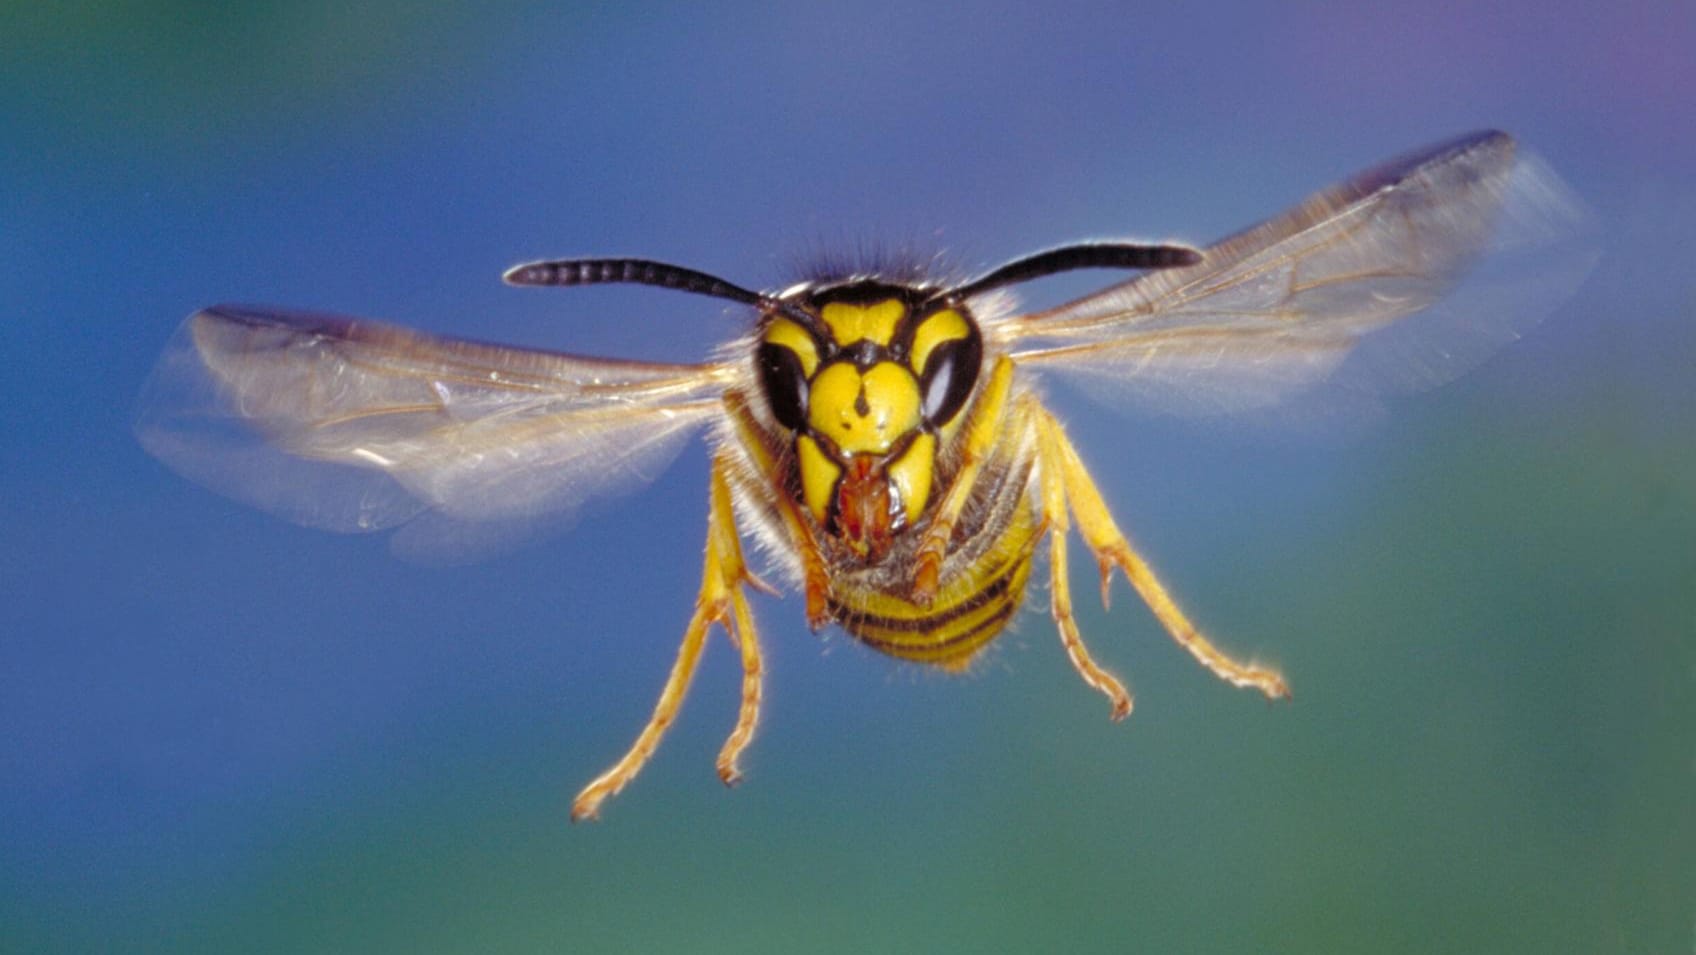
[[880, 436]]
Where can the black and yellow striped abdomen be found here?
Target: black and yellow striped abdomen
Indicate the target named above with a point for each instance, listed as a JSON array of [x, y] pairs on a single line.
[[983, 582], [973, 606]]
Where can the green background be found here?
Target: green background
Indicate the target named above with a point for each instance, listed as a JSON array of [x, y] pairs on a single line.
[[219, 732]]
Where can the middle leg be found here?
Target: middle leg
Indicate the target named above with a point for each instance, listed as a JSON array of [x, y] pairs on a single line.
[[1060, 588], [1112, 550]]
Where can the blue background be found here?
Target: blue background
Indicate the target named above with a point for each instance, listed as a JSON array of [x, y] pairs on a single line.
[[221, 732]]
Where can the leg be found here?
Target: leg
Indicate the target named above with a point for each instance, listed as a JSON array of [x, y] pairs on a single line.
[[1060, 588], [1111, 550], [816, 580], [720, 601], [982, 430], [742, 631]]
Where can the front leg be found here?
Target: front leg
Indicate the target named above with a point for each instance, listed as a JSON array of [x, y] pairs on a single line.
[[982, 430], [815, 579], [720, 601]]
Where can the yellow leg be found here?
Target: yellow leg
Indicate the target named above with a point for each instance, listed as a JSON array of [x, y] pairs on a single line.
[[982, 431], [720, 601], [1111, 550], [1060, 588], [816, 579], [742, 631]]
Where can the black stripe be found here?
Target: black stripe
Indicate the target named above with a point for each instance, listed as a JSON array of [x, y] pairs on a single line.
[[994, 621], [992, 590]]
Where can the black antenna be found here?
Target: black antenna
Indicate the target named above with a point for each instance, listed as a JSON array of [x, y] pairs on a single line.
[[636, 271], [647, 272], [1066, 258]]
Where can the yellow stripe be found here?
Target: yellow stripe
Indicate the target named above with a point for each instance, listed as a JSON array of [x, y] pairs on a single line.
[[851, 323], [942, 327], [912, 472], [818, 476], [957, 640], [969, 612], [788, 334]]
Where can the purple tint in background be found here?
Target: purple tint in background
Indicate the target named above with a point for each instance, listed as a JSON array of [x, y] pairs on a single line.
[[216, 726]]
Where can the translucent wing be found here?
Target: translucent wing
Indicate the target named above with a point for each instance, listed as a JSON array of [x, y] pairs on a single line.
[[360, 426], [1320, 291]]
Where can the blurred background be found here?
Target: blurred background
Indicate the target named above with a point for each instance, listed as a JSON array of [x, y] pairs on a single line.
[[219, 731]]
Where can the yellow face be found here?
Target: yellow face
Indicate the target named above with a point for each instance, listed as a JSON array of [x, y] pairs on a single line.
[[865, 386]]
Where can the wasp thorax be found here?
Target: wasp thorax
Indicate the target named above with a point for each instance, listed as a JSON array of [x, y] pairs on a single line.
[[865, 387]]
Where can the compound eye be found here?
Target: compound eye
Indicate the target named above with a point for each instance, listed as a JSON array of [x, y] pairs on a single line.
[[784, 382], [951, 369]]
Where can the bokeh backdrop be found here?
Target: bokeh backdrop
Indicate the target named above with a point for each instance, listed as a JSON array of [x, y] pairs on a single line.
[[221, 732]]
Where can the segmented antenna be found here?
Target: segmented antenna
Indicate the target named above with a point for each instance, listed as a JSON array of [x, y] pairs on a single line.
[[1085, 255], [634, 271]]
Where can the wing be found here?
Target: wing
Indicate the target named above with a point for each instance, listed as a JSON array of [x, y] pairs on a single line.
[[359, 426], [1320, 291]]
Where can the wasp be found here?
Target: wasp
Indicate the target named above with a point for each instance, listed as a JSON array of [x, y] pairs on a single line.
[[881, 436]]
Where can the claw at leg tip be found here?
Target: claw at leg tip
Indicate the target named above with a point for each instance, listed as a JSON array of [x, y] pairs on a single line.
[[818, 613], [760, 583]]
